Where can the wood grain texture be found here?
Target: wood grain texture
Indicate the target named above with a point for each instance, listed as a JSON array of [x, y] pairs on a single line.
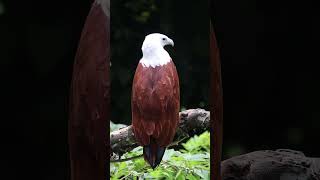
[[89, 100]]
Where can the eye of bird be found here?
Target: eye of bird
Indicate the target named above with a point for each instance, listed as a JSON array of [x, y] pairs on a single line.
[[163, 39]]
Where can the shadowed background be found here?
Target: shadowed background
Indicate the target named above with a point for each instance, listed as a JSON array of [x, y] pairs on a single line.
[[269, 70]]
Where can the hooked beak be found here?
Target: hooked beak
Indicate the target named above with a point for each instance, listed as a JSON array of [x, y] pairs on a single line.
[[171, 42]]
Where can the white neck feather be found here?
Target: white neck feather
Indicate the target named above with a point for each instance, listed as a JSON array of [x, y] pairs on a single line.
[[154, 56], [105, 5]]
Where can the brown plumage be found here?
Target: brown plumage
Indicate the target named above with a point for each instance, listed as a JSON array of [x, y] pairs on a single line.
[[155, 108]]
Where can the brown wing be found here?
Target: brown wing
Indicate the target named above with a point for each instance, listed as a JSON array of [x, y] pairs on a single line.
[[155, 104]]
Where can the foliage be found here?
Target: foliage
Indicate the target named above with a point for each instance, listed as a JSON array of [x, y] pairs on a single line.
[[2, 9], [191, 162]]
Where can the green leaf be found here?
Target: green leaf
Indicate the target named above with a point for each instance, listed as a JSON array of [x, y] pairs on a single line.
[[204, 174], [166, 174], [191, 177], [169, 153], [139, 163], [193, 162], [180, 175], [198, 143], [156, 174]]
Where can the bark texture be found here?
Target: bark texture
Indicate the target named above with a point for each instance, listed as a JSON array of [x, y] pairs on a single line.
[[281, 164]]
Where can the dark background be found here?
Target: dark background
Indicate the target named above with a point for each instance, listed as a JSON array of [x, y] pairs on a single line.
[[269, 53]]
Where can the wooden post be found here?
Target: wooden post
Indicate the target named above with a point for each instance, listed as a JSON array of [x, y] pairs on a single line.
[[216, 103], [90, 97]]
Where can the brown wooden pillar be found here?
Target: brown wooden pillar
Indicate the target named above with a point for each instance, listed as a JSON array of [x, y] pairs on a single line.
[[216, 105], [90, 97]]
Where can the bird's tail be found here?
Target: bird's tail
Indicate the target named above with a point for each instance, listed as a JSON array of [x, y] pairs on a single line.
[[153, 153]]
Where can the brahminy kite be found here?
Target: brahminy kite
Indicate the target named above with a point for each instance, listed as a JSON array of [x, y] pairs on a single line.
[[155, 100]]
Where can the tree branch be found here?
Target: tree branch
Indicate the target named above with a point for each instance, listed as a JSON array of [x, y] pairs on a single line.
[[192, 121], [127, 159]]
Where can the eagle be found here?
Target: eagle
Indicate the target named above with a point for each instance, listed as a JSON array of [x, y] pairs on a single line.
[[155, 100]]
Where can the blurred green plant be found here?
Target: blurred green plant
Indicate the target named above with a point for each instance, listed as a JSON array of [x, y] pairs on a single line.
[[141, 10], [191, 162], [2, 9]]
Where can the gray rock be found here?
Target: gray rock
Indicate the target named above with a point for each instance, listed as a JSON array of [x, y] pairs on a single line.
[[282, 164]]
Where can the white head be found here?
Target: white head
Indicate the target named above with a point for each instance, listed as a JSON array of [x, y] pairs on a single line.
[[153, 52]]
